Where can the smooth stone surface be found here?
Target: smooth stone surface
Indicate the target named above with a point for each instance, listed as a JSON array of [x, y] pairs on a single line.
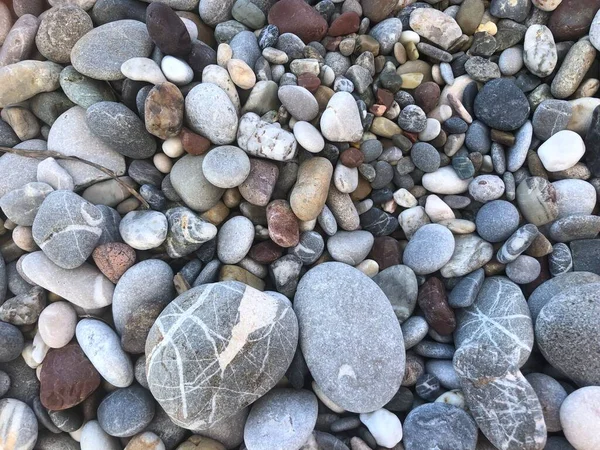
[[577, 413], [340, 122], [574, 197], [343, 367], [226, 166], [57, 323], [20, 425], [299, 102], [93, 435], [350, 247], [12, 342], [191, 184], [466, 290], [497, 220], [144, 230], [445, 181], [562, 151], [429, 249], [551, 395], [23, 80], [573, 69], [100, 53], [250, 314], [235, 239], [384, 426], [399, 284], [22, 205], [539, 51], [82, 90], [550, 117], [126, 412], [435, 26]]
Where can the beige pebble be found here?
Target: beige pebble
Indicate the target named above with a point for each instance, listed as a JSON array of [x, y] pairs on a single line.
[[241, 74], [307, 225], [224, 54], [275, 56], [25, 125], [197, 442], [232, 197], [411, 80], [400, 53], [369, 267], [27, 354], [9, 224], [143, 69], [441, 113], [23, 238], [146, 441], [437, 209], [173, 147], [436, 74], [162, 162], [411, 51], [487, 27], [458, 226], [57, 324], [310, 192]]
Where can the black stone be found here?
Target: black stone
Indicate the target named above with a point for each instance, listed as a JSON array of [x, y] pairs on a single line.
[[201, 56], [428, 387], [144, 172], [378, 222], [469, 95], [592, 144], [455, 125], [502, 105], [484, 44]]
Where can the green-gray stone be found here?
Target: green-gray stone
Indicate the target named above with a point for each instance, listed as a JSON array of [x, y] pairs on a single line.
[[463, 166], [249, 14], [47, 106], [84, 91]]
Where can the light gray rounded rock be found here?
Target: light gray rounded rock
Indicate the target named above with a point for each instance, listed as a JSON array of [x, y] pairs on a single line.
[[141, 294], [485, 188], [232, 325], [67, 228], [550, 117], [414, 330], [387, 33], [93, 436], [187, 232], [354, 350], [300, 103], [539, 51], [21, 205], [226, 166], [523, 270], [429, 249], [350, 247], [399, 284], [191, 184], [19, 425], [444, 371], [574, 197], [235, 239], [100, 53], [144, 230], [551, 395], [126, 412], [229, 431], [497, 220], [282, 419]]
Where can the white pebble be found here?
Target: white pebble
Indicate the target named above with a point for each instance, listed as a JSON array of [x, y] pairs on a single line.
[[409, 36], [224, 54], [27, 354], [40, 349], [191, 28], [93, 437], [57, 323], [142, 69], [308, 137], [437, 209], [384, 426], [580, 417], [405, 198], [345, 178], [173, 147], [562, 151], [431, 131], [176, 70], [162, 162]]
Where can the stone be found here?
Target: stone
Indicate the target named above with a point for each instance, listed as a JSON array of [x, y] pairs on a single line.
[[481, 69], [439, 424], [113, 259], [308, 137], [211, 113], [24, 309], [469, 16], [309, 194], [485, 188], [412, 119], [190, 183], [466, 290], [100, 53], [425, 157], [575, 227], [483, 322], [66, 135], [515, 10], [297, 17], [259, 138], [59, 30], [573, 69], [378, 222], [567, 23], [536, 198], [350, 247], [560, 260], [384, 426], [245, 47], [21, 205], [414, 329], [433, 302], [176, 70], [340, 122], [470, 253], [524, 269], [144, 230], [25, 79], [283, 418], [235, 239], [147, 286], [348, 359], [299, 102], [163, 110], [93, 435], [517, 243], [121, 129], [258, 187], [445, 181], [125, 412], [101, 345], [81, 90], [20, 430], [434, 25], [226, 166], [399, 284], [310, 247], [497, 220], [561, 151], [167, 30], [568, 311], [551, 395], [500, 104], [19, 41], [51, 173], [67, 378], [429, 249], [145, 441], [12, 342], [56, 324], [576, 412], [387, 33], [494, 386], [550, 117], [187, 232], [347, 23], [539, 51], [277, 352]]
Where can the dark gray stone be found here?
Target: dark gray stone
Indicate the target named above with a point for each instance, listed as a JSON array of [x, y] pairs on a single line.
[[378, 222], [502, 105], [560, 260], [187, 232], [478, 137], [399, 284], [11, 342], [163, 427], [435, 350], [8, 138], [412, 119], [67, 420], [110, 225], [50, 441], [466, 290], [586, 255], [24, 384], [309, 248], [428, 387], [517, 243], [573, 228], [551, 395], [425, 157], [125, 412], [105, 11]]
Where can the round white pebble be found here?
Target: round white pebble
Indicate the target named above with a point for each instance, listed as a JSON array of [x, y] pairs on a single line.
[[562, 151], [580, 418], [162, 162], [308, 137], [57, 323], [173, 147], [176, 70], [384, 426]]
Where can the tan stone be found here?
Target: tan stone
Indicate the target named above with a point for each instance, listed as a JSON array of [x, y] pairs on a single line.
[[385, 127], [145, 441], [217, 214], [310, 192], [235, 273], [241, 74], [25, 79]]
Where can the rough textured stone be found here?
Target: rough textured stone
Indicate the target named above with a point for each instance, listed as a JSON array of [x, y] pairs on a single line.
[[297, 17], [502, 105]]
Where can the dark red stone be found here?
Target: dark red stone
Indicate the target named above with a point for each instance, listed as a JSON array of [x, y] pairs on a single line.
[[414, 137], [433, 302], [193, 143], [67, 378], [352, 157], [572, 19], [265, 252], [283, 224], [299, 18], [167, 30], [346, 23], [309, 81], [384, 97], [386, 252], [427, 96], [332, 43]]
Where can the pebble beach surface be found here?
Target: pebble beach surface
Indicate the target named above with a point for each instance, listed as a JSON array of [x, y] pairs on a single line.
[[299, 225]]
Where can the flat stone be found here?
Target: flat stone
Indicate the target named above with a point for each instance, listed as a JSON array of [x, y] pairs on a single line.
[[497, 220], [470, 253], [300, 103], [466, 290], [24, 309], [20, 40], [282, 224], [348, 360], [551, 395], [550, 117], [113, 259], [539, 52], [211, 113], [235, 239], [502, 105], [515, 10], [434, 25], [12, 342], [21, 205], [258, 187], [82, 90], [100, 53], [144, 230], [297, 17], [226, 166], [167, 30], [429, 249], [56, 325], [433, 302], [579, 409], [125, 412], [340, 122], [567, 23], [350, 247]]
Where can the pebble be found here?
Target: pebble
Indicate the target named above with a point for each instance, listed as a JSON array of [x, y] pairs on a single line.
[[308, 137], [20, 430], [539, 51], [259, 138], [226, 166], [524, 269], [191, 184], [577, 411], [311, 27], [167, 30], [445, 181], [12, 342], [144, 230], [572, 228], [56, 324], [435, 26], [399, 284], [485, 188], [384, 426], [234, 240], [350, 247], [497, 220], [551, 117], [211, 113], [125, 412], [553, 155], [93, 435], [414, 330], [429, 249], [502, 105], [176, 70], [551, 395], [573, 69], [299, 102]]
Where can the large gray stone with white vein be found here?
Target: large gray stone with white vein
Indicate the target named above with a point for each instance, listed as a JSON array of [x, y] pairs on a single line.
[[19, 430], [499, 398], [353, 348], [499, 318], [216, 349], [67, 228]]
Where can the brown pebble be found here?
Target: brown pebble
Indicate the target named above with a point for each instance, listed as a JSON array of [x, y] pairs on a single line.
[[352, 157], [197, 442], [283, 224], [535, 166], [572, 19], [384, 97], [493, 268], [20, 41], [163, 110], [299, 18], [309, 81], [310, 191], [113, 259], [332, 43], [259, 185], [346, 23], [386, 252], [540, 246], [415, 367], [377, 10], [265, 252], [193, 143], [217, 214], [236, 273], [427, 96], [433, 302], [502, 137], [362, 191]]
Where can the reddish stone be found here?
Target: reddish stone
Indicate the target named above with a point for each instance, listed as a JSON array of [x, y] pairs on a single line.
[[113, 259], [265, 252], [386, 252], [352, 157], [331, 43], [377, 110], [433, 302], [163, 110], [299, 18], [427, 96], [414, 137], [258, 187], [67, 378], [309, 81], [572, 19], [384, 97], [283, 224], [347, 23], [193, 143]]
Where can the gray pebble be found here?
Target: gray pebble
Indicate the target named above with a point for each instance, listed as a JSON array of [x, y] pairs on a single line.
[[125, 412], [560, 260], [497, 220]]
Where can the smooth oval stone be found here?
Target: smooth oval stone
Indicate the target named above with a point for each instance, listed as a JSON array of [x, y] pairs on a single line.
[[497, 220], [299, 102], [574, 197], [434, 25], [487, 319], [92, 436], [577, 411], [23, 80], [226, 166], [167, 30], [399, 284], [573, 228], [297, 17], [191, 184], [551, 395], [250, 314], [340, 122], [83, 91], [105, 11], [22, 205], [516, 10], [561, 151], [20, 41], [121, 129], [429, 249], [573, 69], [57, 323], [235, 239], [269, 423], [470, 253], [19, 425], [144, 230], [126, 412], [571, 19], [343, 366], [66, 136], [211, 113], [550, 117], [446, 181], [147, 286], [536, 198], [12, 342], [100, 53], [101, 345], [500, 104], [309, 194], [539, 51], [350, 247], [71, 284], [439, 425]]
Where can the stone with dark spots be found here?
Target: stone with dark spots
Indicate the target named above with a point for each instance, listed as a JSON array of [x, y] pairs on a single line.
[[433, 302], [502, 105], [163, 110], [167, 30], [299, 18]]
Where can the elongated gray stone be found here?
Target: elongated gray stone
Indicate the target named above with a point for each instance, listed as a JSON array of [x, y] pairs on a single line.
[[246, 340], [470, 253], [517, 153], [519, 241], [399, 284], [19, 425], [465, 292]]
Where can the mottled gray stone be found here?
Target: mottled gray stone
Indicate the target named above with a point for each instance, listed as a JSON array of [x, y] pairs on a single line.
[[517, 153], [24, 384], [67, 228], [140, 295], [100, 53], [246, 325], [502, 105], [524, 269], [235, 239], [551, 395], [144, 229], [436, 350], [19, 425], [499, 318], [429, 249], [126, 412], [574, 197], [245, 47], [299, 102], [414, 329], [550, 117], [110, 225], [350, 247], [387, 33], [444, 371], [163, 427], [283, 418], [24, 309], [567, 333], [399, 284], [500, 399], [560, 260], [439, 425], [359, 370], [12, 342], [187, 232], [466, 290], [16, 171], [21, 205], [572, 228], [470, 253], [309, 248], [191, 184]]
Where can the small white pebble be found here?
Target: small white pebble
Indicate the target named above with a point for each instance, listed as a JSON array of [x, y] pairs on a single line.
[[409, 36], [384, 426], [27, 355], [162, 162], [176, 70], [369, 267], [142, 69], [224, 54], [173, 147]]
